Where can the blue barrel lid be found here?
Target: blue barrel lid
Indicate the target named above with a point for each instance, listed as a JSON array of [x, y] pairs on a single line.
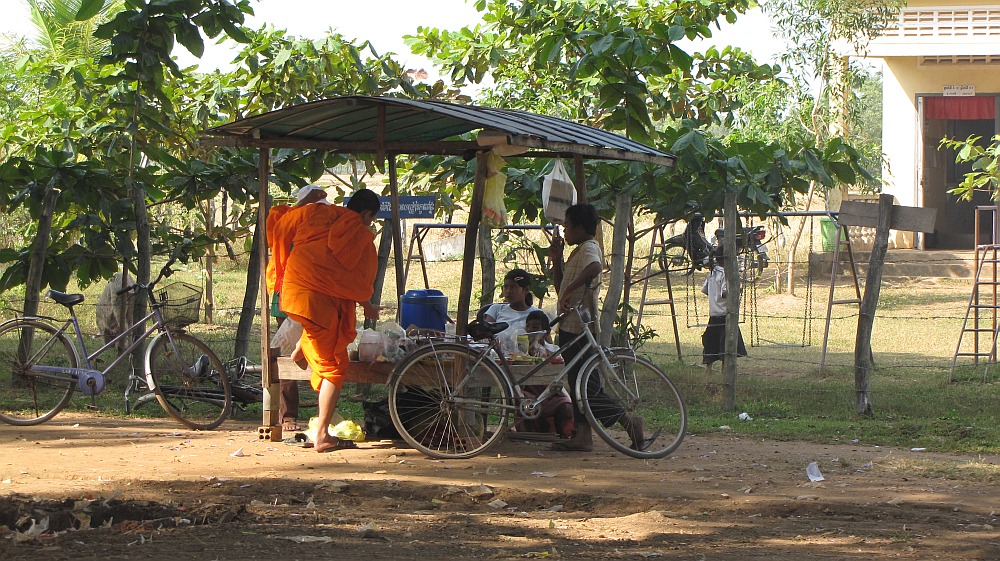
[[423, 294]]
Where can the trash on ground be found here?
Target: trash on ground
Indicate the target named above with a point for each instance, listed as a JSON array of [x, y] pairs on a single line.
[[812, 470]]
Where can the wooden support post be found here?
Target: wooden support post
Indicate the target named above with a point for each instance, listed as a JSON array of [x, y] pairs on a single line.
[[487, 265], [471, 235], [732, 302], [869, 302], [268, 380], [397, 237]]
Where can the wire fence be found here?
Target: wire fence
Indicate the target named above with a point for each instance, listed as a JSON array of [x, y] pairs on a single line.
[[923, 304]]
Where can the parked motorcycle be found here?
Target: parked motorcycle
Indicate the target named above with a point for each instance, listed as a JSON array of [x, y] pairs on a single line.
[[691, 250]]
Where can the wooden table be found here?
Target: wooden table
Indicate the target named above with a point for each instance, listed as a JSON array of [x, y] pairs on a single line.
[[379, 372], [359, 372]]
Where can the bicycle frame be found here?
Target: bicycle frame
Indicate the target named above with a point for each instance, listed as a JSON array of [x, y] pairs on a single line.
[[556, 383], [60, 373]]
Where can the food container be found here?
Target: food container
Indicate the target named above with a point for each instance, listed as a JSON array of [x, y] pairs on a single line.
[[370, 346]]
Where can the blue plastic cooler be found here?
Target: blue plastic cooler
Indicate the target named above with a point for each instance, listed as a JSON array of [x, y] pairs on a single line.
[[427, 309]]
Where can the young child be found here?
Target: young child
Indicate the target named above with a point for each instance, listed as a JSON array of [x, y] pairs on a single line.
[[557, 409], [536, 325], [713, 341], [576, 280]]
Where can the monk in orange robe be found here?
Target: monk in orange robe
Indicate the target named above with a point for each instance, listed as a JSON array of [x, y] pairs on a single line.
[[288, 409], [330, 270]]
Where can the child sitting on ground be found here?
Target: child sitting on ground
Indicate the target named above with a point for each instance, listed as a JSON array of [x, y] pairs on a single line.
[[557, 409]]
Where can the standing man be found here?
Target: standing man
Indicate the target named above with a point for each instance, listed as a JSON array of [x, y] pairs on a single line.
[[577, 282], [331, 270], [287, 336]]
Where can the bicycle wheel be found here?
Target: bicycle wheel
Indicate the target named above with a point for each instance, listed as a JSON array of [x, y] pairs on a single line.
[[447, 404], [637, 388], [27, 399], [189, 381], [675, 259]]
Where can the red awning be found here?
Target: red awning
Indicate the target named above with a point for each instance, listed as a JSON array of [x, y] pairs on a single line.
[[960, 108]]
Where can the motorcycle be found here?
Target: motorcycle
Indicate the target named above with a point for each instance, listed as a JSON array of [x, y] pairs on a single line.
[[691, 250]]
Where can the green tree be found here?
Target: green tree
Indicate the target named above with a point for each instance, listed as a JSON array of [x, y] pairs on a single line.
[[64, 29], [616, 65]]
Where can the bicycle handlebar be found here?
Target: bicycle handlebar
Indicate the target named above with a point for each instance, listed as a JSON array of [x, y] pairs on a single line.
[[165, 271]]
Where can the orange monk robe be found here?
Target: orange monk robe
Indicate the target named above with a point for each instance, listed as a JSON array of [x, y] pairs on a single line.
[[332, 269], [271, 273]]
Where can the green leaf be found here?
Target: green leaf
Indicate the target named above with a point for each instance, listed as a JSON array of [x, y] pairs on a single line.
[[89, 9], [189, 36]]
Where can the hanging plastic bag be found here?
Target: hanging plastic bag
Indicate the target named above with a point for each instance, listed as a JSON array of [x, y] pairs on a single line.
[[494, 209], [558, 193]]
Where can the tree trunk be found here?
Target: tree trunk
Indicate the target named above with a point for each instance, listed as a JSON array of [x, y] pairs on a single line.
[[36, 266], [39, 248], [869, 303], [208, 212], [488, 265], [384, 249], [616, 282], [250, 297], [793, 247], [143, 256]]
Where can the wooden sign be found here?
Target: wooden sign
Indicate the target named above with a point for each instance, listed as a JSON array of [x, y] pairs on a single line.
[[909, 218]]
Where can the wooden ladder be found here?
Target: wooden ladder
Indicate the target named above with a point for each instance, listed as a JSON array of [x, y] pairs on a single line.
[[981, 315], [651, 270]]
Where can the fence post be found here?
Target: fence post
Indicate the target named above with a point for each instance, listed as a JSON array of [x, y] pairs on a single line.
[[869, 302], [733, 226]]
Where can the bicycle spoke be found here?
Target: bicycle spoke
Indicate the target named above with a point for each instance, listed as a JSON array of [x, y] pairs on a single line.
[[190, 382], [26, 399], [635, 408], [449, 403]]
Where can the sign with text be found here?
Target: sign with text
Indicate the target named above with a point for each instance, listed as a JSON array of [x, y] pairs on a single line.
[[409, 207], [959, 91]]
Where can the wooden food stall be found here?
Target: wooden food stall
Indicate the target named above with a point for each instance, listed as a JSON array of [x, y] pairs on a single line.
[[389, 127]]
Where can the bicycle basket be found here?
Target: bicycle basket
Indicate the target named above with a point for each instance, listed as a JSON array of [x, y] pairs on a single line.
[[180, 304]]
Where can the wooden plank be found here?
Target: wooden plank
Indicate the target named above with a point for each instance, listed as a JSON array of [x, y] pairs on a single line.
[[908, 218]]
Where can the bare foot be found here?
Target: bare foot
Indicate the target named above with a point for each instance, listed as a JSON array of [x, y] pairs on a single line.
[[334, 444], [582, 441]]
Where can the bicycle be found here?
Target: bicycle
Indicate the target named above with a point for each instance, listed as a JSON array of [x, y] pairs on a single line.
[[40, 365], [452, 398]]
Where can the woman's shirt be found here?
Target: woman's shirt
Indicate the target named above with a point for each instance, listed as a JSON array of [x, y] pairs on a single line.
[[515, 319]]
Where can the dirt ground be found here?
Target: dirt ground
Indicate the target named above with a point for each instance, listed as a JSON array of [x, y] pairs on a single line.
[[145, 489]]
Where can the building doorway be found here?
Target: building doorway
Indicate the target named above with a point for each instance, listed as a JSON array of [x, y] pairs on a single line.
[[959, 118]]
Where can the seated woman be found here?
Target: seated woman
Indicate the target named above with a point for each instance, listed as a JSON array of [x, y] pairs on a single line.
[[557, 409], [517, 303]]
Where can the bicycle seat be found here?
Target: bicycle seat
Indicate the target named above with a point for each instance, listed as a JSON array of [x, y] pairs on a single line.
[[65, 299], [482, 329]]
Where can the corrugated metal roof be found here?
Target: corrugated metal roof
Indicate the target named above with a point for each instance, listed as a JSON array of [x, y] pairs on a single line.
[[353, 121]]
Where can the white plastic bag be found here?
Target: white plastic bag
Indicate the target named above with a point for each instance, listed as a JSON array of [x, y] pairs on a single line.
[[558, 193]]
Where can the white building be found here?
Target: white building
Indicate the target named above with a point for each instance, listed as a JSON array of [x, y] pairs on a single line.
[[941, 79]]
